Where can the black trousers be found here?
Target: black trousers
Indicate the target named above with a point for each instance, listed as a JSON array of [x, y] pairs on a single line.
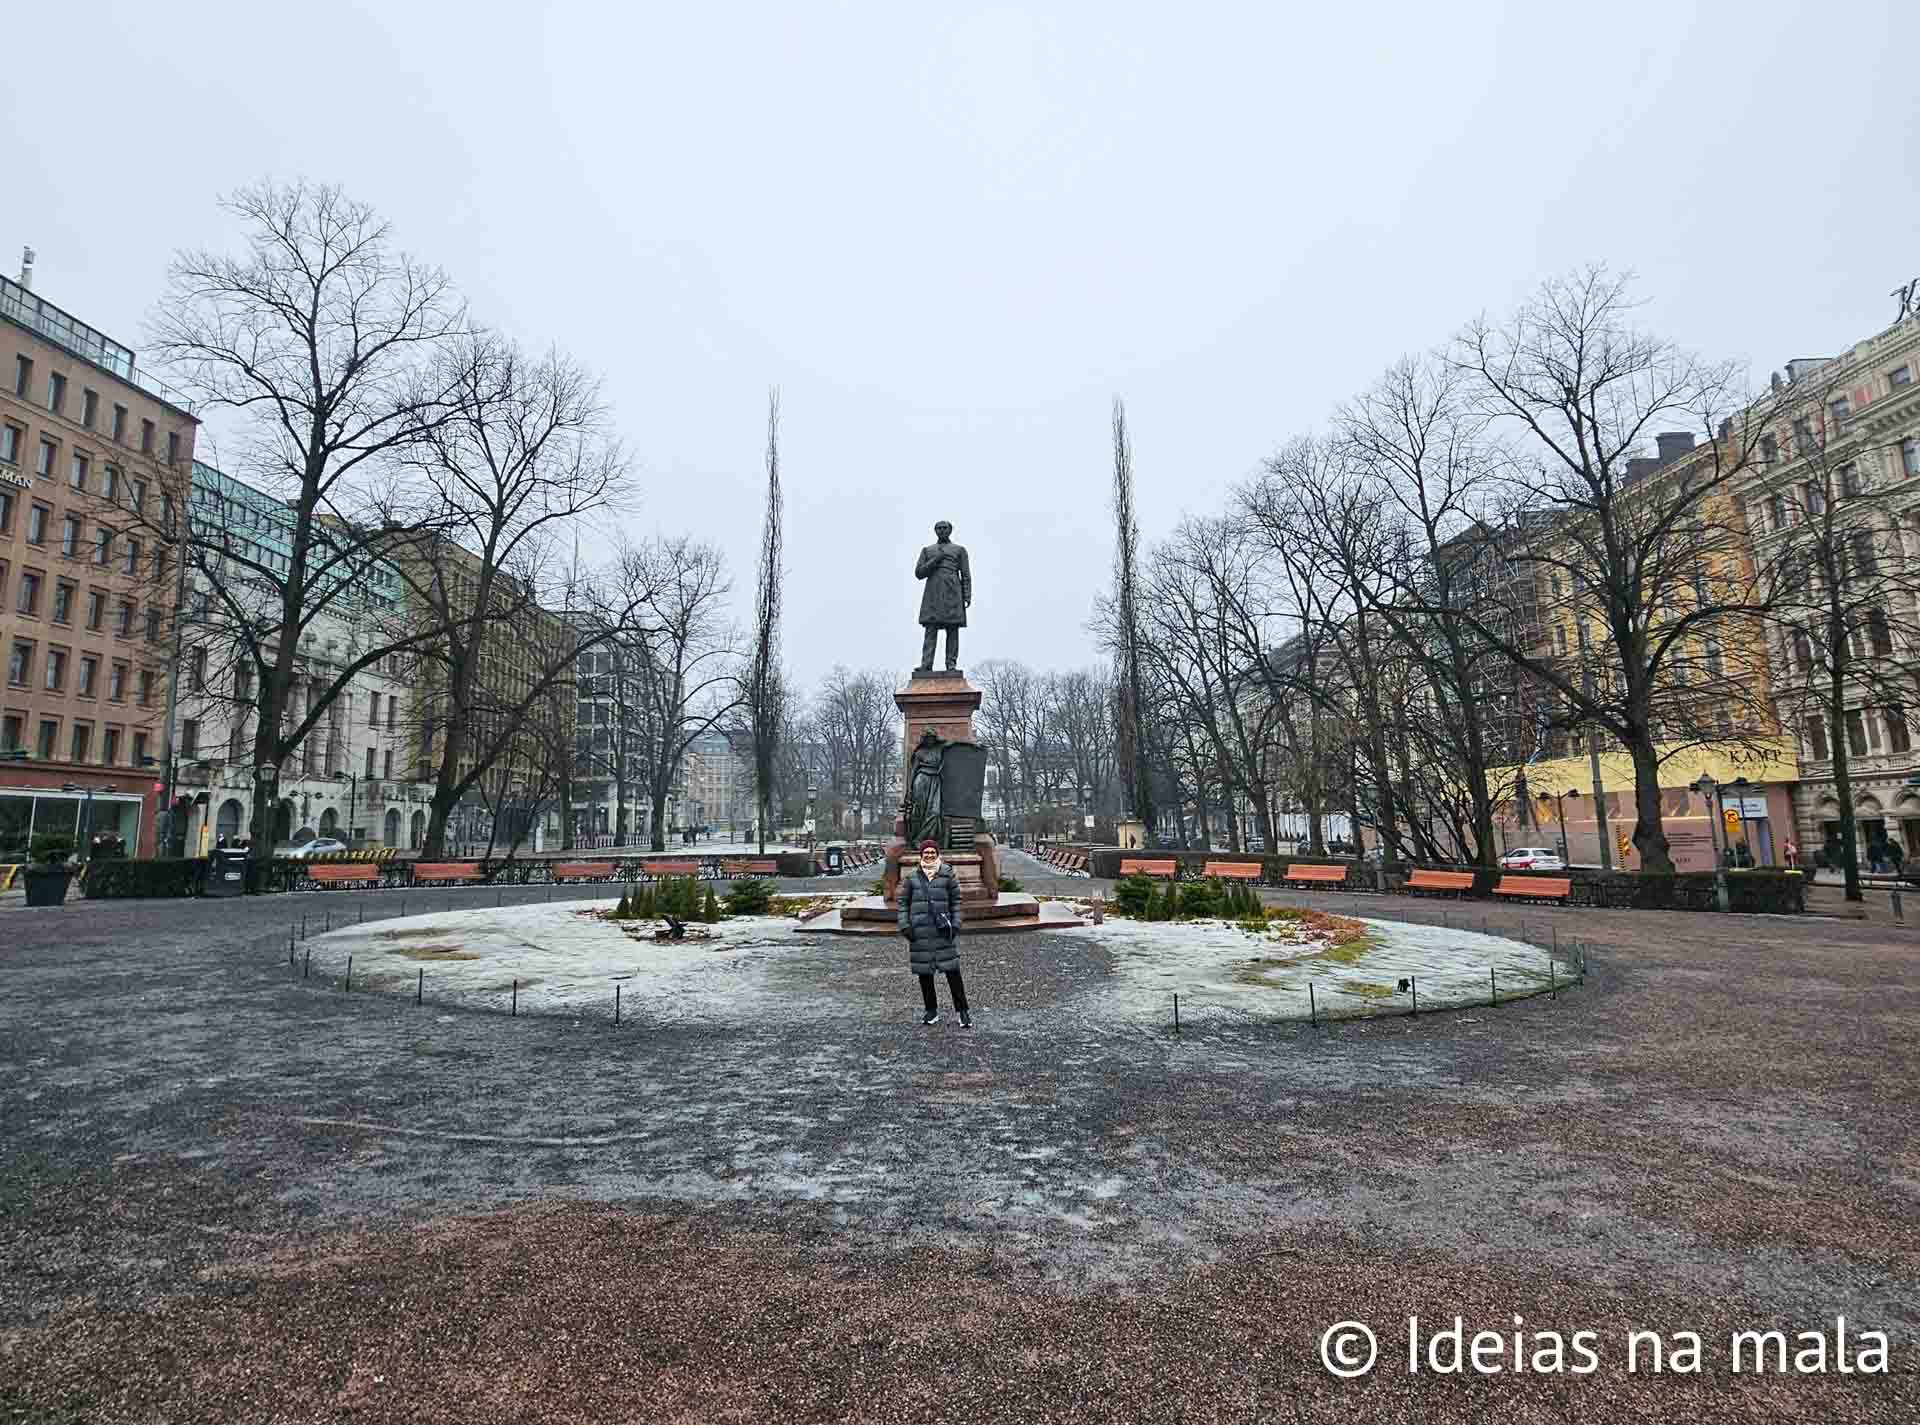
[[955, 987]]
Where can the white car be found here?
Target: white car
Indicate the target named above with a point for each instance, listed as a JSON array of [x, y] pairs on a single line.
[[1532, 858], [319, 846]]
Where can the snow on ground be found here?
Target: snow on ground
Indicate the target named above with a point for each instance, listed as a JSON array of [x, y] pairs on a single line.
[[565, 958], [1266, 976], [568, 960]]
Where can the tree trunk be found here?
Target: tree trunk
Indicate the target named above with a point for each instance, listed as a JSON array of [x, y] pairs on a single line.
[[1842, 761], [1649, 835]]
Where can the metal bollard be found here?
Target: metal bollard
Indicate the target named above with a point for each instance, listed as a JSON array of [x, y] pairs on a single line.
[[616, 1006], [516, 999], [1176, 1014], [1493, 985], [1313, 1009], [349, 974], [1899, 913], [1413, 983], [306, 964]]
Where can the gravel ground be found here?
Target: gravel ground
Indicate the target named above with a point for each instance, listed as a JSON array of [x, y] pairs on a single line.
[[226, 1195]]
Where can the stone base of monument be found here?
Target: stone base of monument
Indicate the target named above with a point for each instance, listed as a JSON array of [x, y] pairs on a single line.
[[1011, 910]]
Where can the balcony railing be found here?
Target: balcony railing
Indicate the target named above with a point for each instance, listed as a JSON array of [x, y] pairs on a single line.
[[63, 329]]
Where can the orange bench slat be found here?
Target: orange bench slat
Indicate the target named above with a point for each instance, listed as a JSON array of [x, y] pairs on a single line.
[[1558, 887], [1316, 873], [368, 872], [447, 871], [1234, 870], [1441, 880], [1147, 868]]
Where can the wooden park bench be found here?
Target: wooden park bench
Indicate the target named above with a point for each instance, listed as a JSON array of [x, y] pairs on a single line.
[[1316, 875], [1457, 882], [750, 868], [1556, 888], [447, 871], [1131, 867], [655, 870], [343, 875], [1234, 870], [583, 870]]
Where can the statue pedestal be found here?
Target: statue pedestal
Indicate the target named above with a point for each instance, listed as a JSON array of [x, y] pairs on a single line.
[[944, 702]]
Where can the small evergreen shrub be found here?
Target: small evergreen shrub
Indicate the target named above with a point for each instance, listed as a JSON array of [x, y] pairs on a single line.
[[710, 907], [622, 911], [750, 897], [1170, 906], [1008, 883], [51, 846], [1133, 896], [1201, 898]]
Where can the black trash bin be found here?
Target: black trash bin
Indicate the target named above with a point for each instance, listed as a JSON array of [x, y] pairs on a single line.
[[227, 871], [835, 865]]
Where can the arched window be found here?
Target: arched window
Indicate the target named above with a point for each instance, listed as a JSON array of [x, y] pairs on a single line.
[[227, 823], [418, 831], [391, 836], [329, 822]]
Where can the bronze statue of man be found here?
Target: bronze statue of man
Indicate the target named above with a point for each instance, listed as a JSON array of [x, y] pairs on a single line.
[[943, 605]]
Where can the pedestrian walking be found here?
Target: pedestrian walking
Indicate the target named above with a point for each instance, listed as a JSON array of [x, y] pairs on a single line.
[[929, 917], [1792, 854]]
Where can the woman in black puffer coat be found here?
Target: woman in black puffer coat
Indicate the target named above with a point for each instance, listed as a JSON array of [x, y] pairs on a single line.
[[929, 917]]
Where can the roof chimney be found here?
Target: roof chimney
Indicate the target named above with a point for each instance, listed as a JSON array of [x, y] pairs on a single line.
[[1673, 444], [26, 267]]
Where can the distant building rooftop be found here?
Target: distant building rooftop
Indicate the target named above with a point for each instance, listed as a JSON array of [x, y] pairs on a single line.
[[24, 307]]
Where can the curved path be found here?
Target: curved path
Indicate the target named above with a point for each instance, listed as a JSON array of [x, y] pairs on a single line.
[[226, 1195]]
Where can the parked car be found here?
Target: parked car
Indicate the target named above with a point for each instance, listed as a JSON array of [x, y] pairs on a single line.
[[317, 846], [1532, 858]]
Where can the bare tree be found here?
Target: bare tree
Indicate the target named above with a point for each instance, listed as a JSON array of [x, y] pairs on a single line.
[[1641, 560], [687, 674], [525, 452], [324, 340], [765, 691], [1133, 736]]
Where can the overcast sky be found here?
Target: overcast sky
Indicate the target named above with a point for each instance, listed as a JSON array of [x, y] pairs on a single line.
[[952, 234]]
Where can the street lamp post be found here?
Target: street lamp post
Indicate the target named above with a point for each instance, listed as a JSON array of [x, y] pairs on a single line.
[[1559, 800], [353, 801], [1710, 792], [1740, 787]]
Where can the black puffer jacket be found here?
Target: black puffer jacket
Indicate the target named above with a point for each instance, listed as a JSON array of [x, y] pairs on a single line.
[[925, 902]]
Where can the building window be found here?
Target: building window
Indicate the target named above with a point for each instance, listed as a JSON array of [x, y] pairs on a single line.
[[117, 683], [56, 669], [10, 732], [110, 747], [197, 670], [139, 496], [1899, 739], [1860, 547], [49, 454], [29, 592], [89, 670], [56, 392], [1769, 449], [1856, 732], [96, 608], [130, 559], [173, 447], [22, 376], [1910, 456], [153, 623], [386, 764], [1777, 511], [89, 407], [102, 546], [120, 425], [11, 439], [369, 764], [37, 524], [82, 741], [1879, 633], [1900, 376], [49, 739], [63, 593], [1715, 667], [19, 664], [139, 749], [162, 564], [373, 711], [1815, 730], [70, 536], [124, 624], [6, 513], [190, 738], [1850, 482], [112, 480], [146, 437], [145, 695], [1841, 408]]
